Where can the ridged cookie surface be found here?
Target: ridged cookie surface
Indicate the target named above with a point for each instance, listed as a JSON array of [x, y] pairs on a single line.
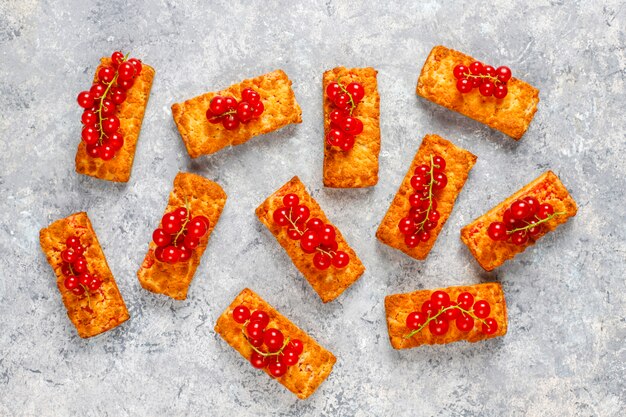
[[547, 188], [510, 115], [103, 309], [315, 362], [459, 162], [202, 137], [205, 198], [357, 167], [130, 113]]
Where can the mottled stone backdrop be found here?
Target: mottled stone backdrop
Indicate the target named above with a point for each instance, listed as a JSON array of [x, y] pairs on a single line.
[[564, 354]]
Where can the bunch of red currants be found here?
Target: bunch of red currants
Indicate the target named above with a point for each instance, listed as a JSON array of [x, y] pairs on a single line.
[[75, 269], [489, 80], [179, 235], [343, 125], [521, 221], [229, 112]]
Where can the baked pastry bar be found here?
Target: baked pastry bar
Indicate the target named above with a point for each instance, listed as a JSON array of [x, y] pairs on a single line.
[[459, 162], [204, 198], [91, 312], [202, 137], [315, 363], [510, 115], [357, 167], [328, 283], [130, 113], [399, 306], [490, 254]]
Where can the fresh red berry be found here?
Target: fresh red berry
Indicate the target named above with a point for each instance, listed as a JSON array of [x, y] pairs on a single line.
[[85, 278], [259, 108], [476, 68], [411, 241], [356, 90], [250, 95], [419, 182], [161, 238], [117, 58], [340, 259], [260, 316], [116, 141], [85, 99], [321, 261], [198, 227], [217, 105], [520, 209], [490, 326], [348, 143], [519, 237], [440, 180], [503, 74], [415, 320], [438, 326], [309, 241], [332, 90], [280, 216], [460, 71], [464, 85], [452, 313], [500, 91], [327, 234], [464, 323], [342, 101], [170, 254], [125, 71], [171, 223], [191, 242], [440, 299], [289, 357], [335, 117], [80, 265], [314, 224], [533, 205], [245, 111], [428, 308], [434, 216], [230, 122], [71, 282], [97, 90], [69, 255], [291, 200], [487, 88], [406, 226], [439, 163], [137, 65], [255, 329], [296, 345], [106, 74], [118, 95], [125, 84], [497, 231], [94, 284], [257, 360], [423, 236], [352, 125], [277, 369], [300, 213], [489, 70], [110, 125], [545, 210], [335, 137], [79, 290], [534, 231], [273, 339], [482, 309], [93, 149], [72, 242]]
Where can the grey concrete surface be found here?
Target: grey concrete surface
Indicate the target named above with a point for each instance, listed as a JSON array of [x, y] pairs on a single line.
[[564, 354]]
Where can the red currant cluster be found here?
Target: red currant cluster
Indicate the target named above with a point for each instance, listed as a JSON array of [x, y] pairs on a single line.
[[74, 268], [489, 80], [178, 235], [423, 215], [227, 111], [343, 126], [522, 221], [101, 125], [437, 312], [314, 236], [281, 353]]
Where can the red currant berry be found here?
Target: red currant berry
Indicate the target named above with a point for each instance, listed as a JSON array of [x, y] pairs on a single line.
[[482, 309], [94, 284], [72, 242], [108, 108], [487, 88], [125, 71], [452, 313], [321, 261], [497, 231], [106, 74], [118, 95], [520, 209], [489, 70], [117, 58], [434, 216], [171, 254], [69, 255], [460, 71], [519, 238], [535, 231], [476, 68], [71, 282], [277, 369], [347, 144], [85, 99], [198, 227], [80, 265], [356, 90], [65, 269], [89, 118], [490, 326], [161, 238], [273, 339], [330, 248], [296, 346], [300, 213], [181, 213], [424, 236], [245, 111], [428, 308], [260, 316], [332, 90], [85, 278], [406, 226], [464, 85], [79, 290], [419, 182], [256, 342], [545, 210], [342, 101], [415, 200], [439, 163], [476, 82], [314, 224], [110, 125], [97, 90], [352, 125], [309, 241], [230, 102], [294, 233], [255, 329], [440, 299], [125, 84], [327, 234], [503, 74], [335, 117], [500, 91], [191, 242], [533, 205], [217, 105], [93, 150], [170, 223], [280, 216], [422, 169], [291, 200], [341, 259], [250, 95], [415, 320], [137, 64], [241, 313], [438, 326], [259, 108], [335, 137], [464, 323], [509, 221], [411, 241], [439, 181], [257, 360], [289, 357], [230, 122], [116, 141], [428, 225]]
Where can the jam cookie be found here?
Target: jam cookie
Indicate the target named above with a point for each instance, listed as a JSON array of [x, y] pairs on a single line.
[[113, 111], [484, 93], [315, 246], [351, 127], [93, 302], [426, 197], [269, 341], [253, 107], [427, 317], [177, 245], [519, 221]]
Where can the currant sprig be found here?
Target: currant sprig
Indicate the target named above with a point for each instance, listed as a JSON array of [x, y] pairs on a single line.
[[489, 80], [76, 271], [433, 318], [344, 126]]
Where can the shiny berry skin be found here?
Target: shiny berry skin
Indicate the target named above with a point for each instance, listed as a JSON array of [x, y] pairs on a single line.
[[289, 357], [125, 71], [423, 236], [181, 213], [80, 265], [93, 150], [487, 88], [534, 231], [245, 111], [335, 137], [116, 141], [69, 255], [280, 216], [191, 242], [184, 253], [533, 205], [452, 313], [439, 163], [520, 209], [108, 108], [309, 241], [84, 278], [428, 308], [464, 323], [125, 84], [118, 96], [476, 68], [231, 103], [217, 105], [330, 248], [255, 329], [503, 74], [415, 320], [197, 227], [170, 254], [260, 316], [137, 65], [440, 299], [259, 108], [117, 58], [464, 85], [500, 91], [256, 342], [277, 369], [257, 360], [422, 169], [489, 70], [250, 95], [419, 182], [300, 213], [106, 74], [428, 225], [94, 284], [482, 309], [72, 241], [440, 181], [352, 125], [415, 200], [79, 290], [460, 71], [294, 234], [71, 282], [97, 90], [490, 326], [110, 125], [90, 135], [335, 117], [89, 117], [296, 346], [314, 224], [321, 261], [434, 216], [230, 122], [85, 99], [160, 238], [545, 210], [406, 226], [519, 238], [509, 221], [327, 234], [332, 90], [273, 339], [291, 200], [347, 144], [438, 326], [170, 223], [342, 101], [497, 231], [340, 259], [412, 240], [476, 82], [356, 90]]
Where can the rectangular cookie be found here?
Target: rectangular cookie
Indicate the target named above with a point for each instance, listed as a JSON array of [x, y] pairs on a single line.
[[130, 113], [459, 162], [328, 283], [203, 138], [490, 254], [314, 364], [357, 167], [399, 306], [204, 198], [93, 312], [510, 115]]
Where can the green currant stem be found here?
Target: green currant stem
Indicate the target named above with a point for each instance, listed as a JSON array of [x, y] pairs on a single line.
[[420, 226], [531, 225], [468, 312], [293, 222], [104, 95], [352, 103], [260, 352], [495, 80]]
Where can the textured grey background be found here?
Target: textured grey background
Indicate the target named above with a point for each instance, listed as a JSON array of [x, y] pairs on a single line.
[[564, 353]]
